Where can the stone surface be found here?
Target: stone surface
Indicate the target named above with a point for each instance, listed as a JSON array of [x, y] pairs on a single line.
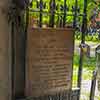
[[5, 92], [49, 61]]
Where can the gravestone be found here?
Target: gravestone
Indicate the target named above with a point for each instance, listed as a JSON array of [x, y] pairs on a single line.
[[49, 61]]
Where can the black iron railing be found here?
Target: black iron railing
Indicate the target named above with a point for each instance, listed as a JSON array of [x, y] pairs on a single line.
[[56, 11], [61, 12], [58, 16]]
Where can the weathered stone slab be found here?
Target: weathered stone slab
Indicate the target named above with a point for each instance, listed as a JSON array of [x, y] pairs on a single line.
[[49, 61], [5, 54]]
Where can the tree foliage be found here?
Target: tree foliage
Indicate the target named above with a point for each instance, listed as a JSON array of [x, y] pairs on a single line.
[[91, 5]]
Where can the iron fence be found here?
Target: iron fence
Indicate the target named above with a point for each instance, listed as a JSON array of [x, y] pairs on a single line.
[[56, 14], [52, 14]]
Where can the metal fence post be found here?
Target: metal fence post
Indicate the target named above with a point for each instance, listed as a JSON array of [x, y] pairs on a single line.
[[52, 12], [41, 8], [98, 68], [84, 24], [75, 14], [96, 75], [93, 85], [64, 18]]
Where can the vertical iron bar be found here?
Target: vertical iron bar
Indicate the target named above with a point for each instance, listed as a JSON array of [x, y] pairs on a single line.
[[61, 16], [37, 4], [93, 85], [52, 11], [64, 18], [84, 25], [58, 18], [61, 22], [41, 16], [25, 41], [13, 60], [13, 25], [75, 14], [80, 72]]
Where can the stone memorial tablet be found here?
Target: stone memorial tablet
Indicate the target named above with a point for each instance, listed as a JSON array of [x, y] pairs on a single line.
[[49, 61]]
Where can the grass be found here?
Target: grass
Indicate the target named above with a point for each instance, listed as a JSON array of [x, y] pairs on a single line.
[[89, 64]]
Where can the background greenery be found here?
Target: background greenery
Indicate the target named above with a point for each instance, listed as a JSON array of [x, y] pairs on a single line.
[[59, 9]]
